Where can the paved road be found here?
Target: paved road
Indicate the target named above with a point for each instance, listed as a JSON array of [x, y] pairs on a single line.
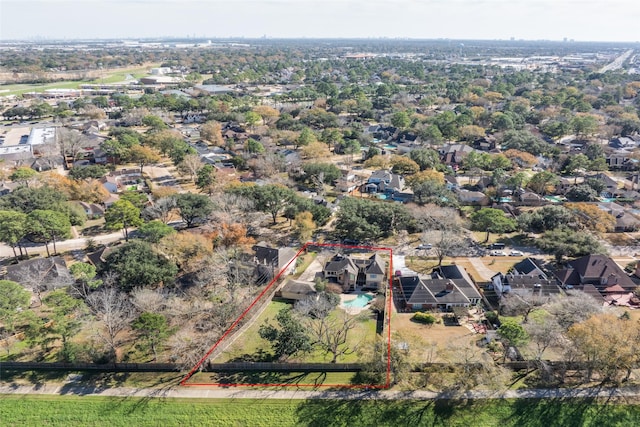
[[349, 394], [65, 245]]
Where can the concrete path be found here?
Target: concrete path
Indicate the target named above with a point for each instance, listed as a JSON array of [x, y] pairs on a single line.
[[484, 272], [399, 264], [348, 394]]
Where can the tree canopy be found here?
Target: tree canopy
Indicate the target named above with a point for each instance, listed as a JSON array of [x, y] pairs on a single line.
[[137, 264]]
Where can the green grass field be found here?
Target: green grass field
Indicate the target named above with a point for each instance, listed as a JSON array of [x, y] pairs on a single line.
[[124, 411], [250, 346], [110, 76]]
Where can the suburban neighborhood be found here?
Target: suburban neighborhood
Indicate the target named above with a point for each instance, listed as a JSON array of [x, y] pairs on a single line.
[[393, 216]]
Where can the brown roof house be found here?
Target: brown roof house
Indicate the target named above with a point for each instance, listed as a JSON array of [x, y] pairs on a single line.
[[296, 290], [270, 261], [599, 271], [351, 272]]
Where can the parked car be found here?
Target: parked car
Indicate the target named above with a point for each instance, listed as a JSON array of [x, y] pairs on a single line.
[[497, 246], [498, 253], [425, 246], [516, 253]]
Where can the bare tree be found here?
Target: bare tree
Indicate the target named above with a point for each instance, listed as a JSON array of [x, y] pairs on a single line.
[[190, 165], [544, 333], [147, 300], [113, 308], [134, 116], [161, 209], [188, 345], [433, 217], [332, 332], [517, 304], [575, 307], [445, 243], [72, 142], [329, 332], [44, 274], [212, 273], [471, 368]]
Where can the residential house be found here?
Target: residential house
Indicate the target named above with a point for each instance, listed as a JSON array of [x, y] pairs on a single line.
[[599, 271], [39, 274], [623, 143], [621, 160], [610, 184], [352, 272], [525, 277], [384, 181], [467, 197], [110, 183], [296, 290], [625, 220], [454, 154], [445, 288], [92, 210], [272, 261], [8, 187], [529, 198], [348, 182], [451, 182], [342, 269], [484, 144], [632, 182]]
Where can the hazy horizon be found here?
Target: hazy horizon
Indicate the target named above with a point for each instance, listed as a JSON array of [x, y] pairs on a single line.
[[553, 20]]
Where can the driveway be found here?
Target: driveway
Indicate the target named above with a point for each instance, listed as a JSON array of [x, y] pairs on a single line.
[[162, 176], [483, 271]]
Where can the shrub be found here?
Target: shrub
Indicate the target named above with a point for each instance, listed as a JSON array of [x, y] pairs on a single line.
[[491, 317], [425, 318], [332, 288]]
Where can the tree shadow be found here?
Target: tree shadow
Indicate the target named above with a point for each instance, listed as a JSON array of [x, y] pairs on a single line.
[[597, 406], [350, 407]]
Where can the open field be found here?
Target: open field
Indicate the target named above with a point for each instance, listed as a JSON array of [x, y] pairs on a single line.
[[127, 411], [105, 76]]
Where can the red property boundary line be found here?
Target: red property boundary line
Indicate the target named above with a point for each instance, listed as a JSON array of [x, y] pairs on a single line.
[[387, 322]]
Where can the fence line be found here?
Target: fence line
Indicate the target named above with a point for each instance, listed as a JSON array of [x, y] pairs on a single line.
[[261, 366]]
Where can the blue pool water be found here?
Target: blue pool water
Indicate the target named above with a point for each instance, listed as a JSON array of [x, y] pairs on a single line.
[[360, 301]]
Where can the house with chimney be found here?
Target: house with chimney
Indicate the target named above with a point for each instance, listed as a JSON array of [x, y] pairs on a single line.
[[270, 261], [353, 272], [524, 278], [445, 288], [597, 271]]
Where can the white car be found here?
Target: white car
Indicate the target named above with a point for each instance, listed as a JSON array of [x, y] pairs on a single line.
[[498, 253], [425, 246], [516, 253]]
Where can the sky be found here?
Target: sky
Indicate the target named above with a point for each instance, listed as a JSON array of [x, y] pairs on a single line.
[[580, 20]]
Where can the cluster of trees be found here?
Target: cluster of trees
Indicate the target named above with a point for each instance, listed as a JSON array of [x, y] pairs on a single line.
[[576, 325], [278, 200], [41, 214], [369, 220]]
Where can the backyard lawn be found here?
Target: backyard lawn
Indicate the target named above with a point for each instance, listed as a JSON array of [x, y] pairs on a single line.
[[426, 342], [250, 346]]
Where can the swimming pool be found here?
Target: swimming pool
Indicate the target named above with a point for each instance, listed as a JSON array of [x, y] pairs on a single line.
[[360, 301]]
